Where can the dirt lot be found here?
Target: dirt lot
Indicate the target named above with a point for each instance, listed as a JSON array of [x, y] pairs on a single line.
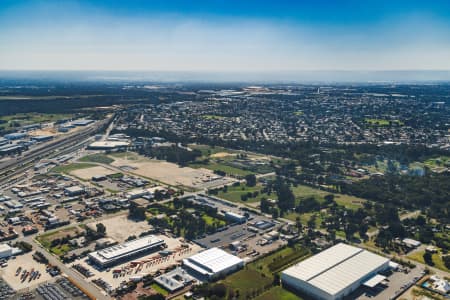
[[170, 173], [156, 262], [222, 154], [27, 262], [120, 227], [87, 173]]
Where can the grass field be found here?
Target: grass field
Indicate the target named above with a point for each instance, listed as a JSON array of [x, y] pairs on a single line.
[[221, 167], [246, 281], [437, 260], [277, 293], [234, 193], [159, 289], [11, 121], [257, 277], [71, 167], [350, 202], [382, 122], [97, 158], [279, 260]]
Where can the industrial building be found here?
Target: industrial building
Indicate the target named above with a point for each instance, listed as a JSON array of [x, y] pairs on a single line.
[[335, 273], [234, 217], [108, 145], [7, 251], [126, 251], [212, 263]]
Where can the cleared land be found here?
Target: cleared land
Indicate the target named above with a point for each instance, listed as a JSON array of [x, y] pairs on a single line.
[[87, 173], [170, 173], [120, 227]]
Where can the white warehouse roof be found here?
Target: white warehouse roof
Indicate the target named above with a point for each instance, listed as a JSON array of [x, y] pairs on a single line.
[[114, 253], [336, 269], [212, 261]]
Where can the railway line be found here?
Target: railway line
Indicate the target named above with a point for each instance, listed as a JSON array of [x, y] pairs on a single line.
[[17, 166]]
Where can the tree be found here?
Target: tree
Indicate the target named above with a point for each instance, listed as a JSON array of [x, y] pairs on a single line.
[[428, 258], [286, 198], [136, 212], [250, 179], [101, 230]]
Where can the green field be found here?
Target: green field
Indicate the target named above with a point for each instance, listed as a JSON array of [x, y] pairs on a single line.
[[229, 170], [71, 167], [279, 260], [437, 259], [12, 121], [382, 122], [159, 289], [61, 250], [277, 293], [258, 276], [247, 281], [97, 158], [350, 202], [234, 193]]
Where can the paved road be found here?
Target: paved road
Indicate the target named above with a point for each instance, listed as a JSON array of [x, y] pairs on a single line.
[[81, 280]]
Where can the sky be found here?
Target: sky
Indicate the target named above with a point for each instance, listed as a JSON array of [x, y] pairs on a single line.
[[226, 36]]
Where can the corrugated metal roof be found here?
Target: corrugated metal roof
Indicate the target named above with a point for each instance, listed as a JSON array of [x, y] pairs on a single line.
[[348, 272], [321, 262], [214, 260], [336, 268]]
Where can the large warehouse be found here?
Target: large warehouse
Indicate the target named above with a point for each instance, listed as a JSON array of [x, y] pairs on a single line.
[[335, 272], [213, 263], [119, 253]]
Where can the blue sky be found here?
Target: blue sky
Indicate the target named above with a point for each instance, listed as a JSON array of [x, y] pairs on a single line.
[[243, 35]]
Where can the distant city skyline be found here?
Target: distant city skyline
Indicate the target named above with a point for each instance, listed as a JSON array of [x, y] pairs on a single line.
[[225, 36]]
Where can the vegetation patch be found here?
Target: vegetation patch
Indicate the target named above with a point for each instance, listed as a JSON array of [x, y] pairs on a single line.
[[278, 293], [71, 167], [97, 158]]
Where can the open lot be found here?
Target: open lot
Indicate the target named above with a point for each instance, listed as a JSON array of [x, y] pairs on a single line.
[[87, 173], [26, 262], [171, 173], [120, 227]]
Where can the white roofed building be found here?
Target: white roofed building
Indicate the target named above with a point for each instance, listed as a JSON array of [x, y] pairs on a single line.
[[126, 251], [334, 273], [213, 263]]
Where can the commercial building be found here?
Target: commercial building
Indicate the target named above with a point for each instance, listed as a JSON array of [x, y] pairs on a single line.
[[7, 251], [234, 217], [108, 145], [126, 251], [74, 190], [335, 273], [15, 136], [175, 280], [212, 263], [82, 122]]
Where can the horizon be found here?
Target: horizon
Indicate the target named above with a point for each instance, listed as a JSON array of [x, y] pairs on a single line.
[[219, 36]]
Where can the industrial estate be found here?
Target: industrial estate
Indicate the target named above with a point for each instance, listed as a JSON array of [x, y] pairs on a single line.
[[225, 192]]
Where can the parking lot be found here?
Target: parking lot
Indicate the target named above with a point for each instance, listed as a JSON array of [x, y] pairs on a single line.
[[399, 282], [27, 264], [58, 289]]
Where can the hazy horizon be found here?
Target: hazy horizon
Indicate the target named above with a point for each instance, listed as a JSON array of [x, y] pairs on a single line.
[[390, 76], [224, 36]]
